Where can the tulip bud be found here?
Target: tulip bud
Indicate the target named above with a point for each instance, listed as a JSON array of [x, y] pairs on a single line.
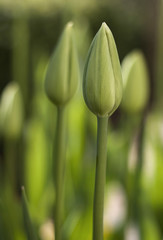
[[102, 85], [135, 82], [11, 111], [63, 70]]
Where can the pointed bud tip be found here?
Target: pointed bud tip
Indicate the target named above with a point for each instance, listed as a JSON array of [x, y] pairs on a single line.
[[69, 25], [104, 25]]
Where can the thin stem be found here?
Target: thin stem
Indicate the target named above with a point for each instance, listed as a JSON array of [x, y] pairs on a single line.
[[135, 197], [138, 172], [20, 55], [100, 178], [59, 164], [10, 164]]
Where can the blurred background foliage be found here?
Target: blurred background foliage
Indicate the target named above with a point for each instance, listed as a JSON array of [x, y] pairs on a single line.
[[29, 31]]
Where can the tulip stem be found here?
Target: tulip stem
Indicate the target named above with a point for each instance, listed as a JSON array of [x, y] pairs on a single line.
[[100, 178], [137, 178], [10, 161], [59, 164]]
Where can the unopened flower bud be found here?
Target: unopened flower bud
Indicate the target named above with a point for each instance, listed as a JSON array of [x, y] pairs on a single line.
[[135, 82], [63, 70], [102, 85], [11, 111]]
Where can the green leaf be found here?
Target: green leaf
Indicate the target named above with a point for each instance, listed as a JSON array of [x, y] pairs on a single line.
[[31, 235]]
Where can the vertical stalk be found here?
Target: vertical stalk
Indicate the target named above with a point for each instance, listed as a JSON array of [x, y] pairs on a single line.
[[20, 55], [59, 164], [10, 164], [134, 201], [138, 172], [100, 178], [159, 57], [139, 164]]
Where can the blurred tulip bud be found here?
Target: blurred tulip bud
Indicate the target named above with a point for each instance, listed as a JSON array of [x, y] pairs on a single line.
[[102, 85], [63, 70], [135, 82], [11, 111]]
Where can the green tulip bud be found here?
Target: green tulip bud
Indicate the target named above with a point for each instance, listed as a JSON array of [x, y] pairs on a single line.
[[102, 85], [11, 111], [135, 82], [63, 70]]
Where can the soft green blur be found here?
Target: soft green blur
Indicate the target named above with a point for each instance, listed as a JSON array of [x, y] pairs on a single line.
[[11, 111], [135, 82], [29, 31]]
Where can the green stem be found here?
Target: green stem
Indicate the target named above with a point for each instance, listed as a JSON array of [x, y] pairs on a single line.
[[100, 178], [138, 171], [10, 164], [20, 55], [159, 57], [135, 211], [59, 165]]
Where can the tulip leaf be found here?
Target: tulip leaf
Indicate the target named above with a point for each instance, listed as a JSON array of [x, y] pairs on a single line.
[[31, 235]]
